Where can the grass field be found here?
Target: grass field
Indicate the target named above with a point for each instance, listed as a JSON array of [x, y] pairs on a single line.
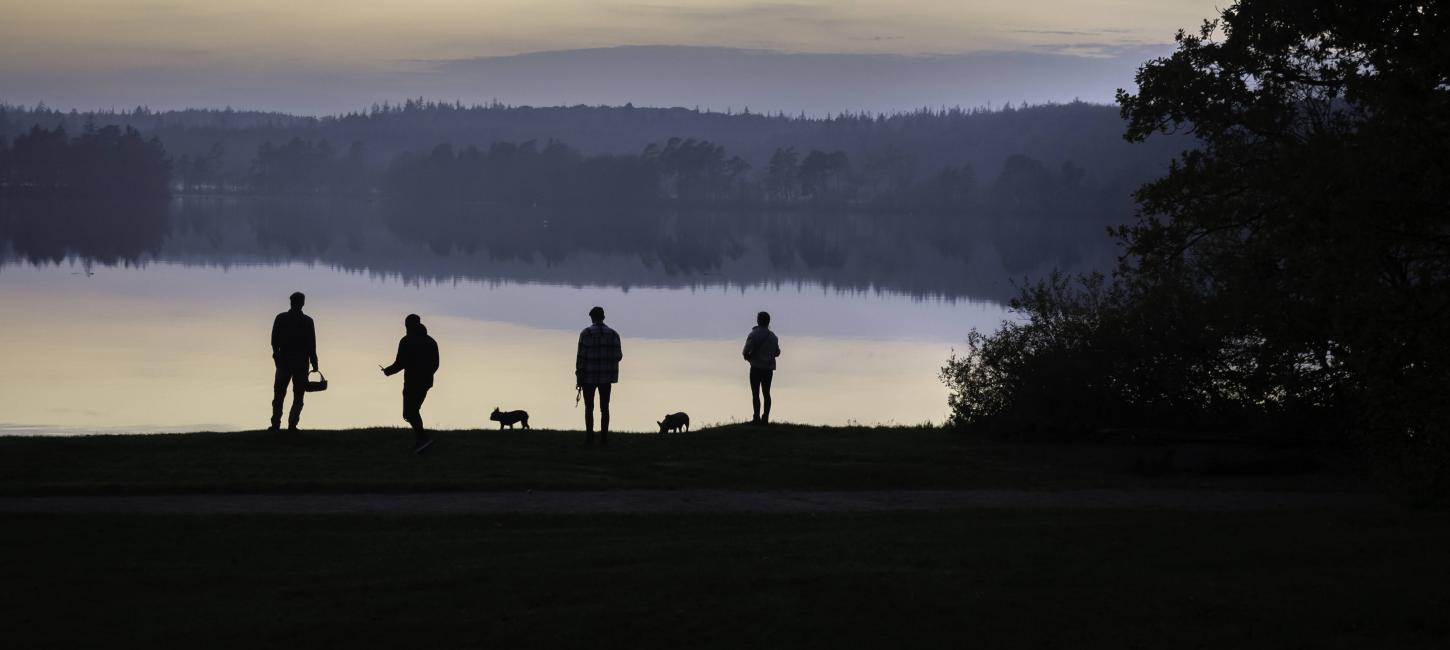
[[735, 457], [991, 579], [1347, 577]]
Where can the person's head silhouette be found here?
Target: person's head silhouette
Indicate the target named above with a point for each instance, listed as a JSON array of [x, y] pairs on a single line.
[[297, 300], [763, 319], [597, 314], [412, 322]]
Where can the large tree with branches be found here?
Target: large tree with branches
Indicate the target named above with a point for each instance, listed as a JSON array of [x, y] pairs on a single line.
[[1300, 255], [1316, 214]]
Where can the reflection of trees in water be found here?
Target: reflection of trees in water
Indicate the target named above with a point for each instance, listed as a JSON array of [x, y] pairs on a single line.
[[907, 252], [302, 228], [694, 244], [920, 254], [679, 243], [102, 231], [508, 233]]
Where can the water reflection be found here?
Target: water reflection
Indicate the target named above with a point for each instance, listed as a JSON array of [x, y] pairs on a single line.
[[156, 316], [106, 232], [936, 256]]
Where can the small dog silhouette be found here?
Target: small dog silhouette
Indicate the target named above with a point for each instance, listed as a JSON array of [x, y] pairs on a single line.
[[674, 422], [508, 418]]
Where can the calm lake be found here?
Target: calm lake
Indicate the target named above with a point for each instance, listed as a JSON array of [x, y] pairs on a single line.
[[125, 318]]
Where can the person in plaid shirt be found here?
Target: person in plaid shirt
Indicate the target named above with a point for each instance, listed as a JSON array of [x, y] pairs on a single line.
[[596, 368]]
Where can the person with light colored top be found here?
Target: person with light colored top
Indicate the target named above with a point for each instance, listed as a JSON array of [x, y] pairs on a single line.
[[761, 349]]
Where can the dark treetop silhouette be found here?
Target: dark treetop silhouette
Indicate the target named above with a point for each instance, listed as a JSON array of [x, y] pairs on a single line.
[[1289, 276], [761, 349], [417, 359], [294, 345], [596, 368]]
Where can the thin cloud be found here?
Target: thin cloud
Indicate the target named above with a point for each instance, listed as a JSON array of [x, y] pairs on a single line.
[[752, 11], [1056, 32], [759, 15], [1076, 32], [1103, 49]]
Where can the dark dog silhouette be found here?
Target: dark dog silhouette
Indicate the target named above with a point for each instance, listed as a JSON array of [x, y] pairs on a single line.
[[508, 418], [674, 422]]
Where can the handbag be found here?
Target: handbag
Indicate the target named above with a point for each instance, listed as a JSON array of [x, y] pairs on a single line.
[[316, 386]]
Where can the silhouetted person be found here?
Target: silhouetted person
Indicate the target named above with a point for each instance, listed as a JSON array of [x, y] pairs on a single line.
[[418, 359], [761, 349], [596, 368], [294, 344]]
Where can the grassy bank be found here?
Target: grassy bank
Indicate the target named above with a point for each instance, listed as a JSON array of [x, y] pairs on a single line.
[[735, 457], [994, 579]]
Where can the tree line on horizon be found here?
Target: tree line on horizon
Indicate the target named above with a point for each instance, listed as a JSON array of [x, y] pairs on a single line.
[[107, 161], [701, 173], [680, 171], [220, 148]]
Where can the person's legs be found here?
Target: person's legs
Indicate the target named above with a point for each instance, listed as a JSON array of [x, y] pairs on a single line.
[[765, 376], [412, 403], [604, 391], [280, 380], [588, 391], [299, 388], [409, 412], [754, 395], [412, 412]]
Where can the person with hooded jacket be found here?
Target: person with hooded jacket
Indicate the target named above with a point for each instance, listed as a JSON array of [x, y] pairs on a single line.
[[761, 349], [417, 359]]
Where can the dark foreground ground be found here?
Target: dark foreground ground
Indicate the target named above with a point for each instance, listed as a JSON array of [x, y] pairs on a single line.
[[990, 579], [736, 457], [1350, 570]]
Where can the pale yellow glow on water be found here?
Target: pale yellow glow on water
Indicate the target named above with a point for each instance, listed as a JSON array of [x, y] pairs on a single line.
[[172, 347]]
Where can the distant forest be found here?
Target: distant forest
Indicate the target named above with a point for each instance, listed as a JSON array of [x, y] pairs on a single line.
[[111, 161], [1014, 158]]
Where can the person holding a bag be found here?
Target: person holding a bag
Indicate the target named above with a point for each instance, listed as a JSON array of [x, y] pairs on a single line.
[[294, 344]]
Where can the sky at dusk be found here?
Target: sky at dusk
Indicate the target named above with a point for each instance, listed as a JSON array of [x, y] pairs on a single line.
[[325, 56]]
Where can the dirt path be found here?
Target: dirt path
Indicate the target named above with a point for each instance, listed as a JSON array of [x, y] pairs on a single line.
[[677, 501]]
